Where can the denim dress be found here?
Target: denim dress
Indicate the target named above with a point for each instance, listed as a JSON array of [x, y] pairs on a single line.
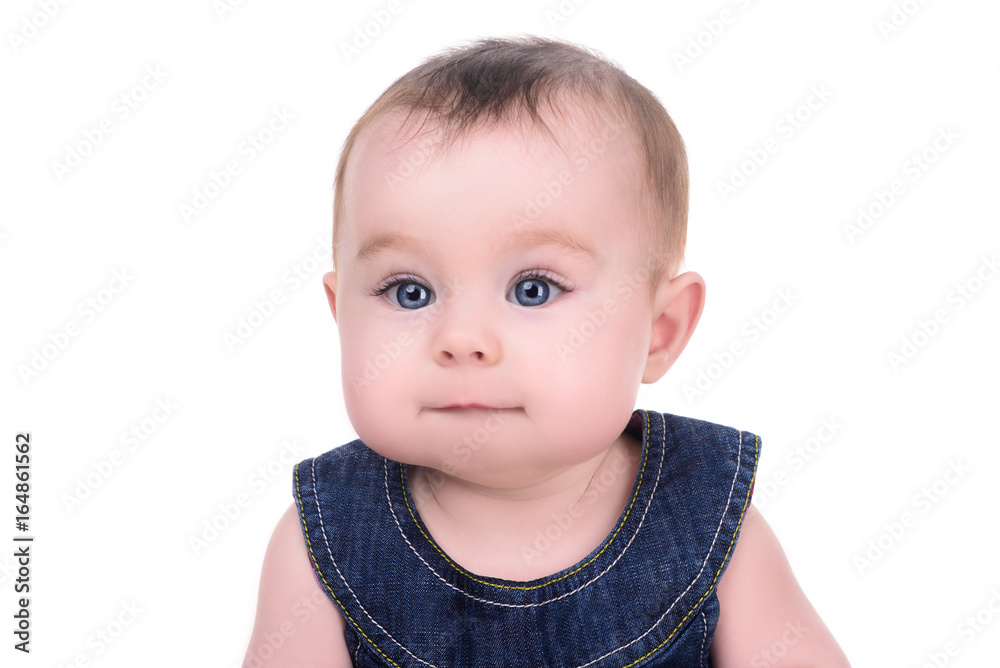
[[646, 596]]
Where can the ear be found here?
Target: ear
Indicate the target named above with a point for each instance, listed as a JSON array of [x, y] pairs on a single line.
[[330, 285], [677, 307]]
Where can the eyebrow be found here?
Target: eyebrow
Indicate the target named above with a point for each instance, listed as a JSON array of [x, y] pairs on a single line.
[[378, 243]]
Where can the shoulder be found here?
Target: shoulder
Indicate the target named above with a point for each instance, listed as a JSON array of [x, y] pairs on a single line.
[[296, 622], [763, 610], [344, 455], [710, 444], [342, 461]]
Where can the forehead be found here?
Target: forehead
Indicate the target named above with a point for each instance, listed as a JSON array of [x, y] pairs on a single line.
[[582, 155], [402, 142]]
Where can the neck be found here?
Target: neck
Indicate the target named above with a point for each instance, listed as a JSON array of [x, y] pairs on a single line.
[[526, 532]]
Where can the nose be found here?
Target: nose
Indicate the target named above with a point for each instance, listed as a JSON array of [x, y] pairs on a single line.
[[466, 338]]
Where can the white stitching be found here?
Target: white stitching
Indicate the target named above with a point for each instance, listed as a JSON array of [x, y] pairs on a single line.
[[739, 461], [704, 636], [341, 575], [656, 483], [587, 584]]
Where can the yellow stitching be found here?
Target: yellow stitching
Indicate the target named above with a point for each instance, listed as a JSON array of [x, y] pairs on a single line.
[[312, 557], [645, 456], [725, 558]]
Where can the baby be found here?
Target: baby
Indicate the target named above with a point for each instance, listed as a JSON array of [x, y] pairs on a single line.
[[509, 220]]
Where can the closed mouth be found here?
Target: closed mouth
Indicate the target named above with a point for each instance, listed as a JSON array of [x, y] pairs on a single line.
[[473, 407]]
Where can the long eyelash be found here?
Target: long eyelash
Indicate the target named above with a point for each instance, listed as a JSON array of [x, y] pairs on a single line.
[[543, 274], [390, 282]]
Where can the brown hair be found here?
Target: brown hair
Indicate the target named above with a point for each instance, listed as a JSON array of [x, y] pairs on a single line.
[[499, 80]]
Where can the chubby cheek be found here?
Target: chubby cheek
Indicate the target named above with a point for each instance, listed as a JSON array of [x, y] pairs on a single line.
[[376, 374], [593, 367]]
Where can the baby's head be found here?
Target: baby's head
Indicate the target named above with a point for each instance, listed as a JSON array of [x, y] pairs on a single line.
[[508, 221], [536, 84]]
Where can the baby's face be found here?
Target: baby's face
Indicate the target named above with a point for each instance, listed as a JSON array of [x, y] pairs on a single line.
[[488, 296]]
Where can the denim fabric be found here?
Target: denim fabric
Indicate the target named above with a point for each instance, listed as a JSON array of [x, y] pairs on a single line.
[[644, 597]]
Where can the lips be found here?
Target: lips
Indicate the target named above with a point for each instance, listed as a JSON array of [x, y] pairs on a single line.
[[469, 406], [473, 406]]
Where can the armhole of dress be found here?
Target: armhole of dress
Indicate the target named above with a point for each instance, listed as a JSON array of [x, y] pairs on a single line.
[[304, 533], [749, 502], [753, 477]]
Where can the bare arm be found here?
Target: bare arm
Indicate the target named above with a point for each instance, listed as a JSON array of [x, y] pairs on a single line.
[[297, 625], [765, 618]]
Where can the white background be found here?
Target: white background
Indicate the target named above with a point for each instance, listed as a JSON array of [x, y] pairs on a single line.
[[160, 338]]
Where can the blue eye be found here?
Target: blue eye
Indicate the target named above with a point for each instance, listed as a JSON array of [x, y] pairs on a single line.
[[531, 292], [534, 289], [411, 294]]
